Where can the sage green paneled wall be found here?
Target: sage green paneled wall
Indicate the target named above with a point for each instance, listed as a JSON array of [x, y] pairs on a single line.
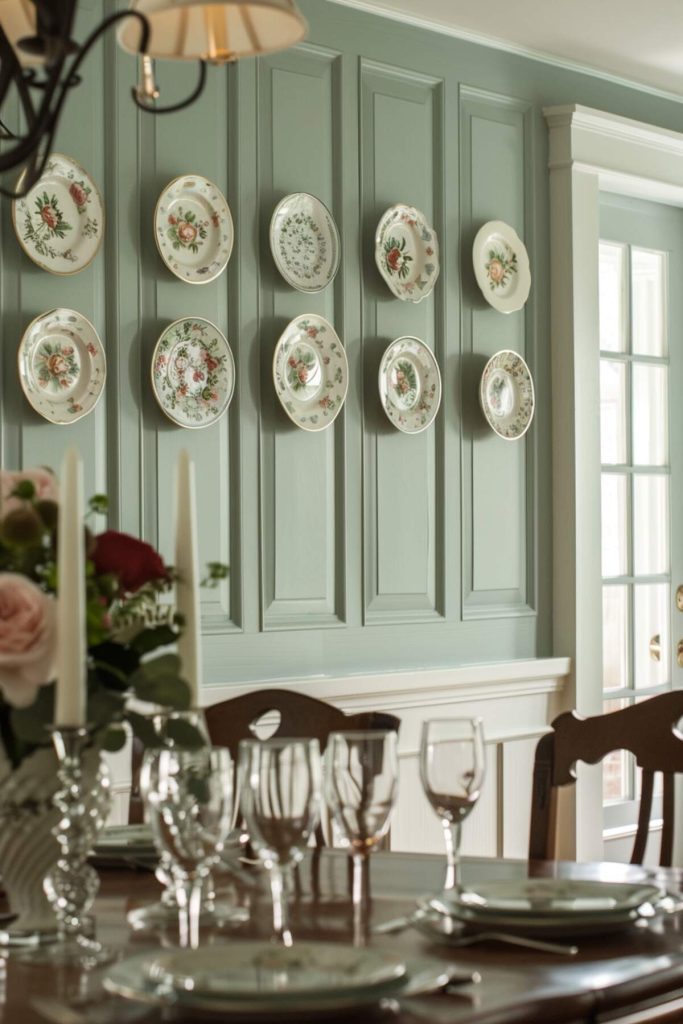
[[357, 549]]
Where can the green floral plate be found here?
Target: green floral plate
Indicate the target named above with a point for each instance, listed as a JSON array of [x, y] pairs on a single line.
[[410, 385], [193, 229], [506, 394], [60, 223], [310, 371], [407, 253], [193, 372], [305, 242], [501, 266], [62, 366]]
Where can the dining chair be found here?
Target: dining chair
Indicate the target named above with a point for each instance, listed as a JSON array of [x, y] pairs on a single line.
[[647, 730], [291, 714]]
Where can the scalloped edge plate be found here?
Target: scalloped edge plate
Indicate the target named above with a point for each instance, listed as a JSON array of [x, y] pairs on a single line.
[[508, 407], [414, 241], [420, 372], [501, 266], [310, 372]]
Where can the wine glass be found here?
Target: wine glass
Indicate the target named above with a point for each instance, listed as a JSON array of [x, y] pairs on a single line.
[[189, 803], [279, 787], [361, 783], [452, 768]]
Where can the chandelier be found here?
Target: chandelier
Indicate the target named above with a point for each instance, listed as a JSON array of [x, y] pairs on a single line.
[[40, 62]]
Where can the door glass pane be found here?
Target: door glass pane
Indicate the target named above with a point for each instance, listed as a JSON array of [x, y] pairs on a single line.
[[613, 412], [651, 629], [648, 302], [616, 773], [612, 297], [650, 415], [650, 524], [615, 669], [614, 517]]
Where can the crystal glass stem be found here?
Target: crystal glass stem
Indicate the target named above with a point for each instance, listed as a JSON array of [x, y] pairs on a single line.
[[279, 879], [359, 897], [188, 894], [452, 832]]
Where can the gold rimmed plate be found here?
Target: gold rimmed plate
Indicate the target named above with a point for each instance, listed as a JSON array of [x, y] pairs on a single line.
[[193, 229], [310, 372], [193, 372], [410, 385]]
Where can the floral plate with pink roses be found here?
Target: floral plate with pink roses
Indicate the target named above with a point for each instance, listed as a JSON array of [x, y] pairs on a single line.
[[60, 222], [410, 385], [310, 372], [62, 366], [407, 253], [501, 266], [193, 229]]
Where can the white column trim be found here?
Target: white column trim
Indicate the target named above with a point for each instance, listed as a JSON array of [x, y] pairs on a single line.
[[589, 151]]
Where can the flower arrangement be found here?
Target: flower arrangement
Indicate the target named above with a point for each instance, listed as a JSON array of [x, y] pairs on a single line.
[[127, 625]]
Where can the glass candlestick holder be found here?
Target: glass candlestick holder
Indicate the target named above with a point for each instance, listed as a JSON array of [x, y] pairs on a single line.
[[83, 801]]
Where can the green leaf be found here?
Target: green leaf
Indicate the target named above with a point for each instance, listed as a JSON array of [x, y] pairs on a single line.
[[104, 706], [25, 489], [159, 682], [99, 503], [184, 734], [30, 724], [143, 729], [114, 664], [114, 739], [149, 639]]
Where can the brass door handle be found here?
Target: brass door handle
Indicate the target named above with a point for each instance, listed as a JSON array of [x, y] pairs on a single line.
[[656, 647], [679, 598], [679, 653]]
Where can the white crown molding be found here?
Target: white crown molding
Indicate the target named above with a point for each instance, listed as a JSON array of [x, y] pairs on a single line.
[[495, 43]]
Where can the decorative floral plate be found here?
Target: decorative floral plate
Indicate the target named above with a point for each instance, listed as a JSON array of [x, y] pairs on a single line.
[[304, 241], [501, 266], [193, 229], [506, 393], [410, 385], [407, 253], [62, 366], [310, 371], [60, 223], [193, 372]]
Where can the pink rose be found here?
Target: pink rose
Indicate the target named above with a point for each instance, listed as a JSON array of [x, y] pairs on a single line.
[[78, 194], [49, 215], [496, 270], [186, 232], [28, 635], [45, 483]]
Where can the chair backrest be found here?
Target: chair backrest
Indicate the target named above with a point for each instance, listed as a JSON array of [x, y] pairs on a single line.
[[234, 719], [648, 730]]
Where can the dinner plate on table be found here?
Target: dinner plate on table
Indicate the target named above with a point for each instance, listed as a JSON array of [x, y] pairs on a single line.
[[306, 981]]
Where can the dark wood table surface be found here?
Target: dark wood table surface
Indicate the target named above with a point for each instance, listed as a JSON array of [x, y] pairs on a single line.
[[633, 977]]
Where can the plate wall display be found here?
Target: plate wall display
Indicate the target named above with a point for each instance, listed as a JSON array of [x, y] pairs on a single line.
[[407, 253], [62, 366], [304, 241], [60, 222], [506, 395], [193, 372], [501, 266], [410, 384], [193, 229], [310, 372]]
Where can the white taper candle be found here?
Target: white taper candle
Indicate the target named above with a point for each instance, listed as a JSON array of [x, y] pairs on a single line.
[[187, 567], [70, 696]]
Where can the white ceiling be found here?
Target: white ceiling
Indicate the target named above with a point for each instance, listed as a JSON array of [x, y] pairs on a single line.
[[637, 40]]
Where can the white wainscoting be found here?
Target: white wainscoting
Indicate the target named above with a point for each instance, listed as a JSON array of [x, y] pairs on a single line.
[[516, 700]]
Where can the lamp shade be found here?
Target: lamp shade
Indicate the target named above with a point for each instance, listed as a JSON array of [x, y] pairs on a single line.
[[18, 20], [216, 32]]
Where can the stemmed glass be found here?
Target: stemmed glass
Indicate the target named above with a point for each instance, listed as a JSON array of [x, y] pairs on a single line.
[[189, 804], [361, 783], [279, 792], [452, 768]]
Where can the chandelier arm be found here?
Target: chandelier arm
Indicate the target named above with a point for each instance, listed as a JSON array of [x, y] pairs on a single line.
[[150, 109]]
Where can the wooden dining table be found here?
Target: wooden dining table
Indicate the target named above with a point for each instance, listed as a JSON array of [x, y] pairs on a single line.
[[633, 977]]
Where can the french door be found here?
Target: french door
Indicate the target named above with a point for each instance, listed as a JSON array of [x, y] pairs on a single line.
[[641, 431]]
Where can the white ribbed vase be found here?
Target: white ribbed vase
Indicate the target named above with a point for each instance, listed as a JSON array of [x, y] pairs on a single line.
[[28, 848]]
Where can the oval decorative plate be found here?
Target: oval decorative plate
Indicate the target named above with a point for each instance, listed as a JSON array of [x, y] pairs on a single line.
[[193, 372], [60, 222], [410, 384], [62, 366], [310, 371], [304, 241], [501, 266], [407, 253], [506, 393], [193, 229]]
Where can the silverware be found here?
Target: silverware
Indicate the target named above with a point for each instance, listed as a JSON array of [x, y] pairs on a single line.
[[399, 924], [539, 945]]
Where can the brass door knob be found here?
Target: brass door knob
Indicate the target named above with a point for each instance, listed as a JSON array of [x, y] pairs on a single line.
[[656, 647], [679, 653], [679, 598]]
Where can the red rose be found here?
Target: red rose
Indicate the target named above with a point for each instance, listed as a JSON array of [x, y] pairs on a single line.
[[48, 214], [78, 194], [394, 258], [131, 560]]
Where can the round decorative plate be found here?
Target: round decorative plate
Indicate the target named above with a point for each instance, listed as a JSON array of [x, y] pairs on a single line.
[[506, 394], [501, 266], [410, 385], [310, 371], [193, 229], [193, 372], [407, 253], [60, 222], [62, 366], [304, 241]]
